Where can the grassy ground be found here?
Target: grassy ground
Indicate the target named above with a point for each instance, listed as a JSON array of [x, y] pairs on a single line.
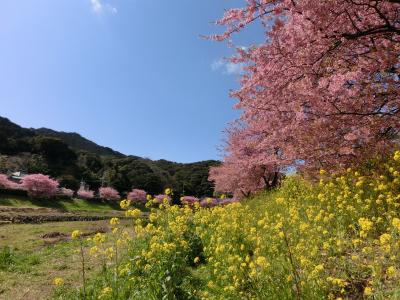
[[29, 262], [62, 204]]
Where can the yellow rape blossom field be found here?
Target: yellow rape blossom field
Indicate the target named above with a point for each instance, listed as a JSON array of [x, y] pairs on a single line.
[[335, 237]]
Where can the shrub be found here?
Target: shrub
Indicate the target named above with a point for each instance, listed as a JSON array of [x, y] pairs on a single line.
[[108, 193], [39, 185], [7, 184], [189, 200], [208, 202], [85, 194], [160, 198], [67, 192], [137, 195]]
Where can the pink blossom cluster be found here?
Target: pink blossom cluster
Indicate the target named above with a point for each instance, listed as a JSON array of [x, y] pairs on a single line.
[[109, 193], [67, 192], [6, 183], [39, 185], [190, 200], [323, 89], [85, 194], [137, 195], [160, 198]]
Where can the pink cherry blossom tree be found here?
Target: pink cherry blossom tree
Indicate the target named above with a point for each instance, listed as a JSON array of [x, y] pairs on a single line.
[[137, 195], [67, 192], [39, 185], [246, 169], [109, 193], [189, 200], [323, 87], [85, 194], [5, 183]]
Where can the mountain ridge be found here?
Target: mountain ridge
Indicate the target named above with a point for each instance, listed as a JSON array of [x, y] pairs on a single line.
[[72, 158], [78, 142]]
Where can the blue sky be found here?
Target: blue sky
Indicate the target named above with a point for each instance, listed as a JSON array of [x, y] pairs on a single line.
[[133, 75]]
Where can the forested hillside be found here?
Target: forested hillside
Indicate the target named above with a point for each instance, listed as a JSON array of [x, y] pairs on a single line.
[[70, 158]]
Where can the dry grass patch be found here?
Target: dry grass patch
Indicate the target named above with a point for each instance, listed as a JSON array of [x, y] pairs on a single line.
[[32, 255]]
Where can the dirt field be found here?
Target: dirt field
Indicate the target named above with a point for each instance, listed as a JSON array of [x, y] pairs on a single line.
[[38, 253]]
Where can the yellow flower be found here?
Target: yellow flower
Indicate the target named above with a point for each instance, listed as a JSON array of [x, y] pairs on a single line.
[[396, 156], [261, 222], [262, 262], [366, 225], [319, 268], [109, 252], [337, 281], [125, 204], [385, 238], [58, 281], [99, 238], [105, 292], [114, 221], [368, 291], [94, 250], [396, 223], [76, 234], [391, 272], [168, 191], [196, 260], [135, 213], [152, 217]]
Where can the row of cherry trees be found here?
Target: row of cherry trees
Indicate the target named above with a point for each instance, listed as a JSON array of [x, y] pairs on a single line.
[[39, 185], [322, 89]]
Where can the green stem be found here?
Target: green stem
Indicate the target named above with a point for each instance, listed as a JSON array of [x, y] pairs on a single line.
[[294, 270], [83, 270]]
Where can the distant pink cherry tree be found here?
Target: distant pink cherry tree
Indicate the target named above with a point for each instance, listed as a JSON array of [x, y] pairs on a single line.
[[245, 169], [109, 193], [160, 198], [5, 183], [67, 192], [323, 87], [85, 194], [190, 200], [137, 195], [39, 185]]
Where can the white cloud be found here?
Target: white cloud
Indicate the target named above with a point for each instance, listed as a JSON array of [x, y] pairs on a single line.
[[232, 68], [99, 7], [227, 67], [96, 6], [217, 64]]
